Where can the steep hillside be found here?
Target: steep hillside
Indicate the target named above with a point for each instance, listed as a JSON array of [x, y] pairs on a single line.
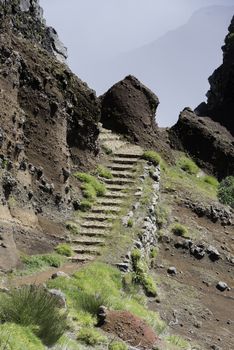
[[48, 128]]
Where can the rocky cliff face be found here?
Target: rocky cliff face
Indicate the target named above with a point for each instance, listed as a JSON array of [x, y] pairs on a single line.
[[220, 103], [48, 129], [207, 134]]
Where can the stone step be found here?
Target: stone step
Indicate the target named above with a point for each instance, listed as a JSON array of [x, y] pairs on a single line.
[[123, 160], [116, 188], [95, 225], [119, 181], [128, 154], [99, 217], [121, 167], [83, 240], [109, 201], [84, 249], [108, 137], [93, 232], [122, 173], [112, 194], [114, 145], [105, 208], [82, 258]]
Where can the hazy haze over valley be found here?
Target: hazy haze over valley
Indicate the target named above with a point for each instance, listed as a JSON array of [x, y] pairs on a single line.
[[171, 46]]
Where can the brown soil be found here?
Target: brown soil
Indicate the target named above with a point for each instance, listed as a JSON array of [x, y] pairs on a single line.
[[130, 328]]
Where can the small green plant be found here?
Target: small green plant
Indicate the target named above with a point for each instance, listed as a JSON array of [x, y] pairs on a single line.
[[64, 249], [153, 157], [211, 180], [104, 172], [141, 273], [188, 165], [107, 150], [130, 223], [117, 345], [72, 227], [85, 205], [162, 215], [226, 191], [32, 306], [90, 179], [88, 191], [153, 253], [179, 230], [91, 337]]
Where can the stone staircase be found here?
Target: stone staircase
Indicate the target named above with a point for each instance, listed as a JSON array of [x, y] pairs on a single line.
[[96, 224]]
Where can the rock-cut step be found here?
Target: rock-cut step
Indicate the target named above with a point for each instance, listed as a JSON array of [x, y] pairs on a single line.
[[99, 225], [105, 209], [108, 137], [115, 188], [123, 160], [81, 258], [121, 167], [99, 217], [112, 194], [110, 201], [122, 173], [88, 241], [119, 181], [84, 249], [93, 232]]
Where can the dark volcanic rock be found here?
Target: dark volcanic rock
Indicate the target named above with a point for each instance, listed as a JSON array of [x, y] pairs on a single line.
[[210, 144], [220, 103], [129, 108]]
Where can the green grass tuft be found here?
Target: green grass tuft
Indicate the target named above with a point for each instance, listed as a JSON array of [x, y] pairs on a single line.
[[117, 345], [32, 306], [95, 183], [91, 337], [16, 337], [88, 191], [179, 230], [104, 172], [188, 165], [152, 157], [226, 191], [178, 341], [64, 249], [210, 180], [85, 205], [35, 263], [72, 227]]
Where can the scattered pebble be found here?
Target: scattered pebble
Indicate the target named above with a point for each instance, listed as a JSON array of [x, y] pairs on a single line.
[[222, 286]]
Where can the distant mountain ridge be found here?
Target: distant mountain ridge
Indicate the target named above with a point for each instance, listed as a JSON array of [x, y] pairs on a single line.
[[159, 64]]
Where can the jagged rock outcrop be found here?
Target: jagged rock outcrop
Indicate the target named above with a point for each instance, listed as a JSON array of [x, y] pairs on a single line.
[[25, 17], [208, 133], [207, 141], [220, 102], [48, 130], [129, 108]]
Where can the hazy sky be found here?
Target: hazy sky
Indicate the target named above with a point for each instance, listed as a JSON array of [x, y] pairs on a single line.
[[98, 30]]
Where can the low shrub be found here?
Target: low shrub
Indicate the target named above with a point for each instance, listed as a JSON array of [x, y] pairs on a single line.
[[141, 273], [179, 230], [117, 345], [226, 191], [211, 180], [91, 336], [16, 337], [98, 187], [85, 205], [72, 227], [153, 157], [188, 165], [88, 191], [104, 172], [162, 215], [64, 249], [32, 306]]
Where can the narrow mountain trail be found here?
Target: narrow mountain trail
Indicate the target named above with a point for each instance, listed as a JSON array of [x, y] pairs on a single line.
[[96, 224]]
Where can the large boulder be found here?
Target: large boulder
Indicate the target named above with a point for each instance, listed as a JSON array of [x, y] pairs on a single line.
[[220, 103], [209, 143], [129, 108]]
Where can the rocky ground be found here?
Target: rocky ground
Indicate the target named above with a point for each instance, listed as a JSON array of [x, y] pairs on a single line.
[[195, 275]]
